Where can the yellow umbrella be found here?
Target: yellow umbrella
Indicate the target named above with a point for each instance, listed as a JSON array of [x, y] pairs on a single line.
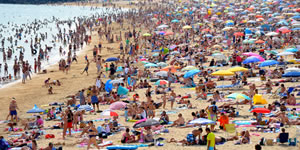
[[223, 73], [187, 27], [237, 69], [147, 34]]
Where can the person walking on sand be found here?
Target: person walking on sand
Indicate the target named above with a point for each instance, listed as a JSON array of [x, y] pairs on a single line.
[[210, 140], [13, 109], [86, 69]]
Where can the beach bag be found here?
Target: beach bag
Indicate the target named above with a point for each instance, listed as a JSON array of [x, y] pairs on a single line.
[[190, 138], [269, 142]]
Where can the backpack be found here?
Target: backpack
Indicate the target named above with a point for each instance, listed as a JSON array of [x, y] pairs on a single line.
[[190, 138]]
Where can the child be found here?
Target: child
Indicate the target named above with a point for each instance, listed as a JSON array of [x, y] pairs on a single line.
[[126, 114]]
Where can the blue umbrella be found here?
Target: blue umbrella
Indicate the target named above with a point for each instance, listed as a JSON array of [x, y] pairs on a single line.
[[251, 59], [268, 63], [291, 74], [112, 59], [293, 50], [296, 17], [150, 65], [202, 121], [191, 73], [295, 29], [156, 50], [35, 109], [229, 24]]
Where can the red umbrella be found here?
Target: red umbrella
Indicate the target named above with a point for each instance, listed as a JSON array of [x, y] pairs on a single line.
[[261, 110], [238, 34], [285, 31], [207, 30], [109, 113], [260, 42]]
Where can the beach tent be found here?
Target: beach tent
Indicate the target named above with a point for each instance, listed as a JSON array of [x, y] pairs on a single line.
[[258, 99], [35, 109]]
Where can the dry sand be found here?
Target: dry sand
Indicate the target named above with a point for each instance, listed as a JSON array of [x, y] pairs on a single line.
[[33, 92]]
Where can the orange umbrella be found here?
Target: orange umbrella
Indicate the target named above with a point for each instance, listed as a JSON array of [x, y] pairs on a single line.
[[285, 31], [238, 34], [173, 69], [258, 16], [207, 30], [259, 42]]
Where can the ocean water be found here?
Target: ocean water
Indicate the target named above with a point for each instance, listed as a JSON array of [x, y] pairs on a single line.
[[22, 16]]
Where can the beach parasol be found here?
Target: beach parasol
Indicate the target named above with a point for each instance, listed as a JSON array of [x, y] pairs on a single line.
[[162, 26], [259, 42], [268, 63], [109, 113], [117, 105], [186, 27], [175, 21], [291, 74], [293, 50], [116, 81], [251, 59], [162, 64], [261, 110], [238, 34], [169, 33], [238, 96], [223, 73], [271, 34], [202, 121], [187, 68], [219, 56], [162, 73], [150, 65], [250, 54], [111, 59], [292, 70], [285, 54], [173, 69], [161, 82], [147, 34], [191, 73], [35, 109], [85, 107], [146, 123], [237, 69]]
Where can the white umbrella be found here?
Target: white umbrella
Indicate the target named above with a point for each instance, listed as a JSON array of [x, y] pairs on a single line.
[[117, 81], [271, 34], [293, 70], [162, 64], [285, 54], [162, 26], [162, 74]]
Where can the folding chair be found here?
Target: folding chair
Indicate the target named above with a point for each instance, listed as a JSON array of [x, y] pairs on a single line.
[[229, 128]]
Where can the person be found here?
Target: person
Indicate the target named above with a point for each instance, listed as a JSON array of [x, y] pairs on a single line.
[[224, 119], [197, 133], [3, 143], [210, 140], [68, 120], [86, 69], [172, 98], [127, 138], [92, 135], [164, 118], [179, 122], [258, 147], [212, 113], [149, 135], [13, 109], [291, 100]]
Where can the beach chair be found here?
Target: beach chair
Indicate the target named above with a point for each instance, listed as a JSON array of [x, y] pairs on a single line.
[[229, 128]]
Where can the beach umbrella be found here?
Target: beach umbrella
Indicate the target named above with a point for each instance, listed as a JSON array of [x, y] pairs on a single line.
[[208, 35], [274, 52], [173, 69], [169, 33], [238, 34], [271, 34], [238, 96], [155, 54], [261, 110], [285, 54], [150, 65], [260, 58], [174, 53], [217, 46], [162, 73], [175, 21], [219, 56], [122, 90], [146, 123], [202, 121], [117, 81], [147, 34], [227, 28], [292, 70], [191, 73], [161, 32], [237, 69], [295, 29], [111, 59], [161, 82], [259, 42], [229, 24], [145, 62], [291, 74], [251, 59], [162, 26], [119, 69], [109, 113], [85, 107], [35, 109], [293, 50], [187, 27], [117, 106], [250, 54], [162, 64], [268, 63], [223, 73], [187, 68]]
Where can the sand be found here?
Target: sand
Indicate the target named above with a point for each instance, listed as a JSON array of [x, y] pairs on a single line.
[[33, 92]]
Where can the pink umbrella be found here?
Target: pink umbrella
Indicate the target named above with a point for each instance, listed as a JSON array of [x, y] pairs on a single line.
[[117, 106], [143, 59], [260, 58], [143, 120], [250, 54]]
